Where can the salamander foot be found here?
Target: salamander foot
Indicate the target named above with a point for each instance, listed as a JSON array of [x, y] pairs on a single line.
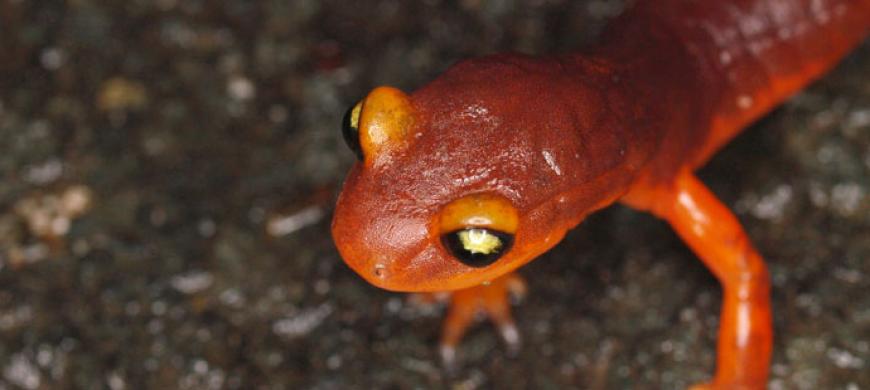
[[491, 300]]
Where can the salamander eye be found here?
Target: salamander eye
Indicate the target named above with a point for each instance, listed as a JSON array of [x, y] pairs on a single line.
[[478, 229], [477, 247], [350, 129]]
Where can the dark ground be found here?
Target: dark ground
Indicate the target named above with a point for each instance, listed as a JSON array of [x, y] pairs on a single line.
[[169, 169]]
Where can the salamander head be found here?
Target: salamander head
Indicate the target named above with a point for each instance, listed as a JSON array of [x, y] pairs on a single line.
[[456, 184]]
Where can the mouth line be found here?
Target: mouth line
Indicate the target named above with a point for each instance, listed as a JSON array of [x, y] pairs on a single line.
[[378, 273], [381, 274]]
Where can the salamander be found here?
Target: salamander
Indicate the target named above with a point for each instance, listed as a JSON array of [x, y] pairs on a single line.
[[487, 166]]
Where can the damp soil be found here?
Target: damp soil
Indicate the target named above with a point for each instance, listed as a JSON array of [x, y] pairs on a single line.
[[169, 170]]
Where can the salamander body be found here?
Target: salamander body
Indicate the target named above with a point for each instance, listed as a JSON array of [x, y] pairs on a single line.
[[487, 166]]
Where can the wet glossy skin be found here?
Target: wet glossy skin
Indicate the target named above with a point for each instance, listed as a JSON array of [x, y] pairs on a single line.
[[559, 137]]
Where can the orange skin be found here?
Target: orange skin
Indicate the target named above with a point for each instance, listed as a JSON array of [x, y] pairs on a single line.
[[562, 136]]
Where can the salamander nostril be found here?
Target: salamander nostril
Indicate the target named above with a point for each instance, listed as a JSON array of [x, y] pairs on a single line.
[[380, 270], [477, 247]]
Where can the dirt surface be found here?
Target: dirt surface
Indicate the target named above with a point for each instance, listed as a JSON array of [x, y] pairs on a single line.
[[169, 169]]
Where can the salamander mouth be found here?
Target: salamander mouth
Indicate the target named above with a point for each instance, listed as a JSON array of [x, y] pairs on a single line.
[[376, 272], [388, 275], [384, 273]]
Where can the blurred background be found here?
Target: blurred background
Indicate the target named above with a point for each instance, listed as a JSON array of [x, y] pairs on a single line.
[[169, 170]]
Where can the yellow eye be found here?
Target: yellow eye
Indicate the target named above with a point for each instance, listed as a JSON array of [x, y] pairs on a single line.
[[378, 125], [478, 229], [479, 241], [477, 247], [350, 129], [354, 115]]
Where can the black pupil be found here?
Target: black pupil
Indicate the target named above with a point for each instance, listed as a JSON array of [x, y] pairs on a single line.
[[351, 134], [453, 243]]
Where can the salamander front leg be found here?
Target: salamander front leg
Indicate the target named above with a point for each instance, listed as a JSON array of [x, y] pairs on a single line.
[[715, 235], [491, 300]]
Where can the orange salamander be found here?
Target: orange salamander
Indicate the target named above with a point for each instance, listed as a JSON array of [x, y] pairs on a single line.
[[486, 167]]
